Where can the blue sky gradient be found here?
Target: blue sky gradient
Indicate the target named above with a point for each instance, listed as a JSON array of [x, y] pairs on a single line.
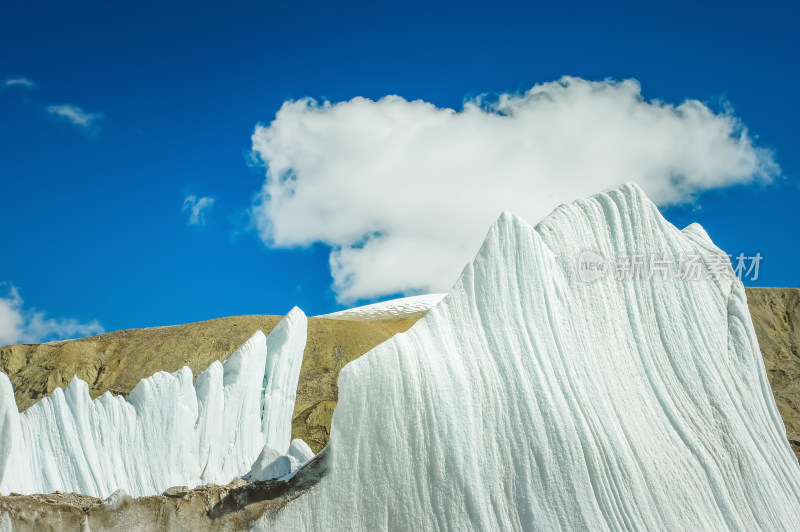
[[91, 225]]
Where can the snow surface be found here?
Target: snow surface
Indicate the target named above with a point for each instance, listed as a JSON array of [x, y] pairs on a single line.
[[168, 432], [530, 400], [394, 308], [300, 451], [271, 464]]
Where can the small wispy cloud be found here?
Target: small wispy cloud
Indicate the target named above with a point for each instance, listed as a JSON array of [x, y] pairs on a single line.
[[74, 115], [197, 208], [24, 83], [19, 324]]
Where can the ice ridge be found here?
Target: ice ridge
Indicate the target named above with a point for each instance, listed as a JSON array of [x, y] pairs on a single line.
[[531, 398]]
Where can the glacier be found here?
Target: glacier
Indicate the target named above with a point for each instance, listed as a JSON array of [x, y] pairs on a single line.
[[530, 399], [168, 432]]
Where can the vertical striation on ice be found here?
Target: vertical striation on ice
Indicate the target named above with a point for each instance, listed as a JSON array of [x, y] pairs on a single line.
[[168, 432], [530, 400]]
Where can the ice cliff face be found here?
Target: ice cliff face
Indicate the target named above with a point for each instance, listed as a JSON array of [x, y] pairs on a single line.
[[168, 432], [538, 397]]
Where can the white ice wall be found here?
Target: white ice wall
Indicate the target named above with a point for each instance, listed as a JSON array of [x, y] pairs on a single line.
[[168, 432], [529, 400]]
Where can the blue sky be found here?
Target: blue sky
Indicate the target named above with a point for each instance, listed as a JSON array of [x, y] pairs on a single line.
[[136, 106]]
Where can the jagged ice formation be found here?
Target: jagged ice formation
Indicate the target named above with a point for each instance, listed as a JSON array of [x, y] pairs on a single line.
[[168, 432]]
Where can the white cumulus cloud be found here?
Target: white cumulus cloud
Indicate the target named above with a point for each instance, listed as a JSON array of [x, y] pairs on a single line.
[[74, 115], [197, 208], [19, 324], [404, 191], [25, 83]]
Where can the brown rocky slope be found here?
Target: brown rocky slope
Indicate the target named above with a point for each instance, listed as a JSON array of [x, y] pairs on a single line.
[[776, 318]]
